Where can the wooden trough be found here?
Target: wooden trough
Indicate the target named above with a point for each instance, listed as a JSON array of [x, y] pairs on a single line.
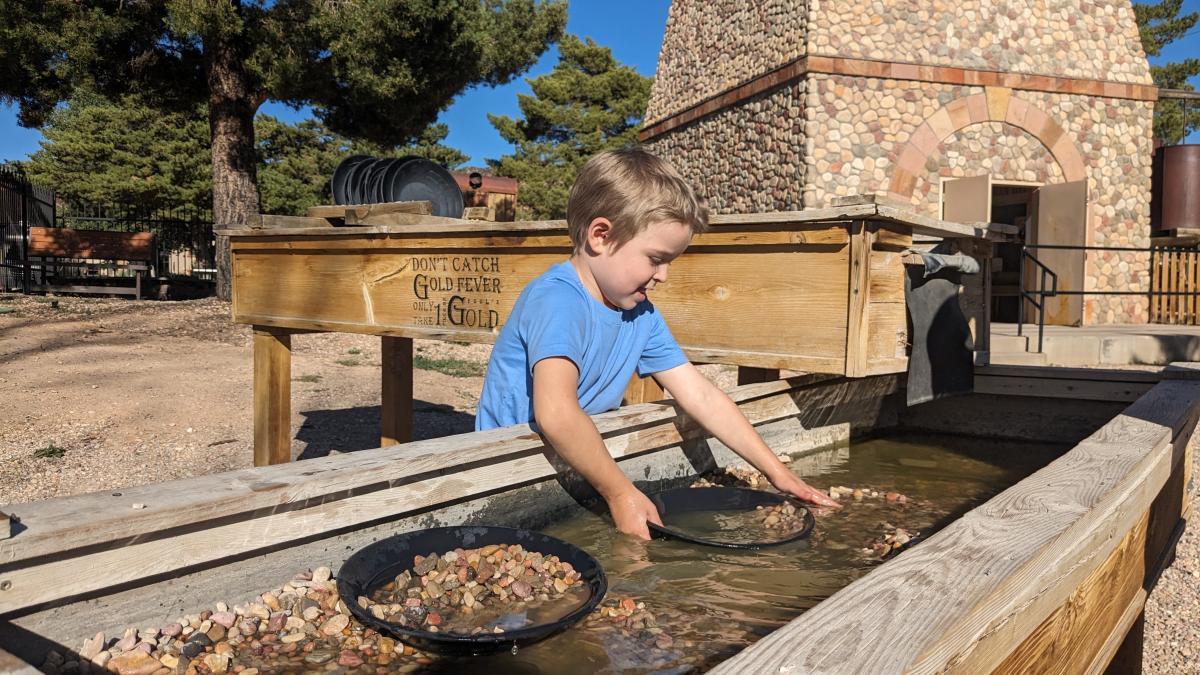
[[818, 291], [1049, 576]]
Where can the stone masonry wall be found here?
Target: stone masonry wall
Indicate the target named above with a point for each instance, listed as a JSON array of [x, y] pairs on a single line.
[[744, 159], [857, 130], [713, 45], [1091, 39]]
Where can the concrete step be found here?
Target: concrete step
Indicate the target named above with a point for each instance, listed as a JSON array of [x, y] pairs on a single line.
[[1010, 343]]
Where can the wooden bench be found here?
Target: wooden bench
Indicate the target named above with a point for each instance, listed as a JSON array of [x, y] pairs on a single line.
[[102, 262]]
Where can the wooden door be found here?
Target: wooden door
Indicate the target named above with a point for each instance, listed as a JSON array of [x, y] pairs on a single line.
[[1060, 217], [967, 200]]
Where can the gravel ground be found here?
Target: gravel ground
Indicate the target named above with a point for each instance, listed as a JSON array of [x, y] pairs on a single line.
[[105, 393], [1172, 643]]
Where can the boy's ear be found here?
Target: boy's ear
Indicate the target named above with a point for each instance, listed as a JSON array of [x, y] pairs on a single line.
[[598, 232]]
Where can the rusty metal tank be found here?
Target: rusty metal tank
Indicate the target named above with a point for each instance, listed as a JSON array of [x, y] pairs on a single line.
[[1175, 192]]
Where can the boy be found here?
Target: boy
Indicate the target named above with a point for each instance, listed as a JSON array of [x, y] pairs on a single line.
[[578, 331]]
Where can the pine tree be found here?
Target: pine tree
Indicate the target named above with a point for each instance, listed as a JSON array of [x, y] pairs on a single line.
[[1160, 25], [380, 70], [124, 156], [589, 103]]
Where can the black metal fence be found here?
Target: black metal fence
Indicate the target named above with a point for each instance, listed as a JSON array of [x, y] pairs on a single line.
[[183, 237]]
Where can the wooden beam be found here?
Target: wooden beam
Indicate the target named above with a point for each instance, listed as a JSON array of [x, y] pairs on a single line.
[[1068, 639], [5, 526], [858, 315], [206, 519], [364, 210], [272, 396], [969, 595], [265, 221], [396, 419], [1089, 389], [400, 218], [479, 213], [642, 390]]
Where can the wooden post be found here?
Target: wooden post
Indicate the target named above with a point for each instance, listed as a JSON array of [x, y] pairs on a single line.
[[397, 391], [642, 390], [272, 396], [861, 237], [746, 375]]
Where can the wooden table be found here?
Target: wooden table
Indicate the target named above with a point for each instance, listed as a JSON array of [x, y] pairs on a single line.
[[818, 291]]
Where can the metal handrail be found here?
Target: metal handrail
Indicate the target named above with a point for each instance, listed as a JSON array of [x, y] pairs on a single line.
[[1041, 294]]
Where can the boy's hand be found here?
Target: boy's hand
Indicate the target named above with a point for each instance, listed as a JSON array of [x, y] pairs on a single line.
[[630, 510], [787, 483]]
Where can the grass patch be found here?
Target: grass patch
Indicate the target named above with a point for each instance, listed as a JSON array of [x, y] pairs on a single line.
[[347, 362], [354, 350], [49, 452], [309, 378], [452, 367]]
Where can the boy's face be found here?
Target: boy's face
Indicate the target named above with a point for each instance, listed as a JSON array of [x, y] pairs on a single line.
[[626, 274]]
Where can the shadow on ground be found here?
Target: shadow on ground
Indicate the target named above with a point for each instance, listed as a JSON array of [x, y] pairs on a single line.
[[352, 429]]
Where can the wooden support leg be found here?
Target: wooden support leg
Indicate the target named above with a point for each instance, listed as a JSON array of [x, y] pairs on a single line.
[[642, 390], [272, 396], [752, 375], [396, 422]]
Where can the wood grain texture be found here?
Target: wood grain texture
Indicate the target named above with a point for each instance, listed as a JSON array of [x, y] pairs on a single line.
[[966, 597], [859, 289], [101, 519], [364, 210], [1069, 639], [642, 390], [396, 390], [272, 396], [261, 221], [197, 521]]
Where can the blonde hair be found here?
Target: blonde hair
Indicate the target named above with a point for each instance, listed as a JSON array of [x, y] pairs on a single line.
[[632, 189]]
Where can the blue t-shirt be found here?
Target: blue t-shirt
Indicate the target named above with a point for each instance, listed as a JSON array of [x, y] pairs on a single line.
[[556, 316]]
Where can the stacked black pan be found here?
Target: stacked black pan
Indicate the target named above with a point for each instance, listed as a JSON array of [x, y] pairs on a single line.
[[361, 179]]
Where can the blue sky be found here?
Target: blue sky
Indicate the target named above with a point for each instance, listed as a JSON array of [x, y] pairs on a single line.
[[631, 28]]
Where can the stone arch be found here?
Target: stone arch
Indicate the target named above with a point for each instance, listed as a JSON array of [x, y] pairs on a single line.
[[996, 104]]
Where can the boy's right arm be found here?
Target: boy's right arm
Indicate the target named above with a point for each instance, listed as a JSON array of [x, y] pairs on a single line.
[[575, 438]]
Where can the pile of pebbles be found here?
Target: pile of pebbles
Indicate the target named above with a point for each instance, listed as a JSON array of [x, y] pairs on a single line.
[[460, 591], [303, 627], [785, 517], [891, 542]]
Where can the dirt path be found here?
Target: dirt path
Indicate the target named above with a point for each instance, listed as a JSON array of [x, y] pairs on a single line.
[[98, 393]]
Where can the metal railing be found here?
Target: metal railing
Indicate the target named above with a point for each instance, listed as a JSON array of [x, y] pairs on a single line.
[[1037, 296]]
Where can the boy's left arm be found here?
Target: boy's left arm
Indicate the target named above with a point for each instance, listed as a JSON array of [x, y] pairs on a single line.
[[716, 412]]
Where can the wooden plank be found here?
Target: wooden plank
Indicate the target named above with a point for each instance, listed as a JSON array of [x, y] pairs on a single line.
[[1127, 660], [100, 518], [65, 242], [5, 525], [1090, 390], [311, 501], [90, 290], [1105, 655], [818, 236], [857, 314], [479, 213], [1097, 374], [272, 396], [712, 300], [642, 390], [363, 210], [903, 217], [266, 221], [1079, 629], [396, 419], [967, 596], [399, 219]]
